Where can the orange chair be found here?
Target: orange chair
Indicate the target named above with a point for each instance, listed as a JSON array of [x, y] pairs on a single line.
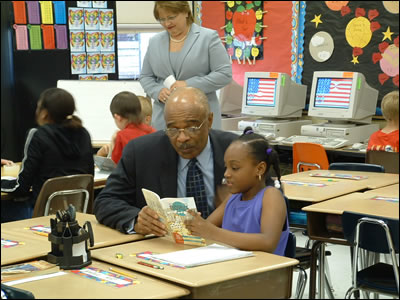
[[309, 156]]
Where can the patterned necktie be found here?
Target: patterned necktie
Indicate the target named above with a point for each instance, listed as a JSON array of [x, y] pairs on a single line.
[[195, 187]]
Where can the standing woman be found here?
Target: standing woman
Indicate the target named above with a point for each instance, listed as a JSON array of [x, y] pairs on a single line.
[[194, 55], [59, 146]]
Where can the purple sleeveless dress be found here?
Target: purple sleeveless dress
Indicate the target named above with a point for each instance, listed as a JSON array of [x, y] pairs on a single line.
[[245, 216]]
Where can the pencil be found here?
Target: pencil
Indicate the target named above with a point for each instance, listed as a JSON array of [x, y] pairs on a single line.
[[41, 233], [121, 273], [150, 265]]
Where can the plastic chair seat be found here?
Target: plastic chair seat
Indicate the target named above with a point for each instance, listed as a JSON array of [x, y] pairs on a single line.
[[378, 276]]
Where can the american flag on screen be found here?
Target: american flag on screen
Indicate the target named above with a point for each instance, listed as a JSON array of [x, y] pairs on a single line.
[[261, 91], [333, 92]]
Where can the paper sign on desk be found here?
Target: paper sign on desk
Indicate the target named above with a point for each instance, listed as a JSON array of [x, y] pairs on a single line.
[[341, 176], [388, 199], [202, 255], [8, 243], [106, 277], [304, 183]]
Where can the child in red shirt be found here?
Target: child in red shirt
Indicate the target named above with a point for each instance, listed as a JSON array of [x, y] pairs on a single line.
[[387, 139], [126, 109]]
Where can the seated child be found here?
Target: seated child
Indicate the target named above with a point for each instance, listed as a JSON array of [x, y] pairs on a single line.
[[255, 215], [387, 139], [147, 109], [126, 110]]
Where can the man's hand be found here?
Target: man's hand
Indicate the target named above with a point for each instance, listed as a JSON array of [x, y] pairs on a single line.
[[148, 223]]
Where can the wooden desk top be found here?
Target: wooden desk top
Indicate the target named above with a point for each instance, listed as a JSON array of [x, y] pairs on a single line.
[[356, 202], [387, 191], [373, 181], [304, 190], [19, 230], [73, 286], [191, 277]]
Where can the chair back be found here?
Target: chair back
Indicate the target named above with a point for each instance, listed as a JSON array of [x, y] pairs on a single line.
[[357, 167], [372, 234], [58, 192], [309, 156], [290, 250], [389, 160]]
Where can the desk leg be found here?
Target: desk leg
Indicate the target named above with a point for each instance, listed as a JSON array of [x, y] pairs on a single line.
[[321, 271], [313, 269]]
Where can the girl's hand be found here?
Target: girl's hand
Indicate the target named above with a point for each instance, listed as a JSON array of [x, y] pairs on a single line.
[[177, 84], [199, 226], [164, 94]]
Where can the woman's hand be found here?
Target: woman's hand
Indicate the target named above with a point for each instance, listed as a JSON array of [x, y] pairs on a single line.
[[178, 84], [164, 94], [199, 226]]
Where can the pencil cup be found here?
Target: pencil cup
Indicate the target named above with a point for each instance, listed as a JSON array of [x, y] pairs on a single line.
[[11, 170]]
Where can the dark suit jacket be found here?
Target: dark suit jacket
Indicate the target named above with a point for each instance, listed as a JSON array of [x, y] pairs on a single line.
[[148, 162]]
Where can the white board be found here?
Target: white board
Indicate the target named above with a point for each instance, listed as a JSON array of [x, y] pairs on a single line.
[[92, 100]]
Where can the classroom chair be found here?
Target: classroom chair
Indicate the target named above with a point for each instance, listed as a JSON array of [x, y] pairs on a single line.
[[58, 192], [309, 156], [389, 160], [357, 167], [380, 235]]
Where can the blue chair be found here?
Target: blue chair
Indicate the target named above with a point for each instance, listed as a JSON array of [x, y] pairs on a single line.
[[380, 235], [356, 167]]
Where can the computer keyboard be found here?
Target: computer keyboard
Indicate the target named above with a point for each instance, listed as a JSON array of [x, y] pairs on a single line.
[[328, 143], [267, 135]]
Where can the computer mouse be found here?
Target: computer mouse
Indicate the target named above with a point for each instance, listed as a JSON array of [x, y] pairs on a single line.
[[358, 146]]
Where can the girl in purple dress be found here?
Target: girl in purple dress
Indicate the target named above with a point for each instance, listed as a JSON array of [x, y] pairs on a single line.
[[254, 217]]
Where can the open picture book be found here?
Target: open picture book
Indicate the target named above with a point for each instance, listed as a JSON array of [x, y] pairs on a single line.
[[173, 213]]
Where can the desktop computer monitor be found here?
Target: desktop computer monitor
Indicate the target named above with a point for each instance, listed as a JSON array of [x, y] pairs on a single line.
[[342, 97], [272, 95]]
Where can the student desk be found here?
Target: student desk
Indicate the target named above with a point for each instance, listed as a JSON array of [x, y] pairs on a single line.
[[38, 245], [387, 191], [73, 286], [317, 229], [100, 178], [263, 276]]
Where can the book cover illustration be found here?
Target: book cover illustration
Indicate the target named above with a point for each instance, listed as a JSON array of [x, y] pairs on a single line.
[[172, 212], [27, 269]]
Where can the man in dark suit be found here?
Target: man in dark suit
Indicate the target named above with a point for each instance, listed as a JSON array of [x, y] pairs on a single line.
[[159, 162]]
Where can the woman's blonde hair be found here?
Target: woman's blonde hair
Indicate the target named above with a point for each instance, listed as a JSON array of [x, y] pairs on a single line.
[[176, 7], [390, 106]]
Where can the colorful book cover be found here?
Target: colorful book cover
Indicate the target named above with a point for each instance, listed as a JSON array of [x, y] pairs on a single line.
[[75, 18], [78, 63], [91, 19], [107, 41], [173, 213], [86, 77], [99, 4], [93, 41], [108, 62], [84, 3], [106, 19], [100, 77], [77, 40]]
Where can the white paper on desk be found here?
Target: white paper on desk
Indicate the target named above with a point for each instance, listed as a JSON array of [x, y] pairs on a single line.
[[202, 255], [14, 282]]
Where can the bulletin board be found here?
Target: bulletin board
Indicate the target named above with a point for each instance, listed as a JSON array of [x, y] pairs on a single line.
[[357, 36], [93, 98], [276, 27]]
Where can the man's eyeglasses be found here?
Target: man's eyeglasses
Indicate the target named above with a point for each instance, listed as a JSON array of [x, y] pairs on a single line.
[[169, 19], [188, 131]]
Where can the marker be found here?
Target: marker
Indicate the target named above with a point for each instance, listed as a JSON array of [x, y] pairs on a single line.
[[121, 273], [41, 233], [150, 265], [330, 180]]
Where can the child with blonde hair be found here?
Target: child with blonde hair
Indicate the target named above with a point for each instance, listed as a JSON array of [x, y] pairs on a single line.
[[387, 139], [147, 109]]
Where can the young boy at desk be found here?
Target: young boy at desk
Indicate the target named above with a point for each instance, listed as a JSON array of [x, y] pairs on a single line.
[[255, 216], [387, 139], [126, 110]]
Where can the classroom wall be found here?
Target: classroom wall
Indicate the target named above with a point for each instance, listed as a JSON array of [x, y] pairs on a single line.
[[135, 12]]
